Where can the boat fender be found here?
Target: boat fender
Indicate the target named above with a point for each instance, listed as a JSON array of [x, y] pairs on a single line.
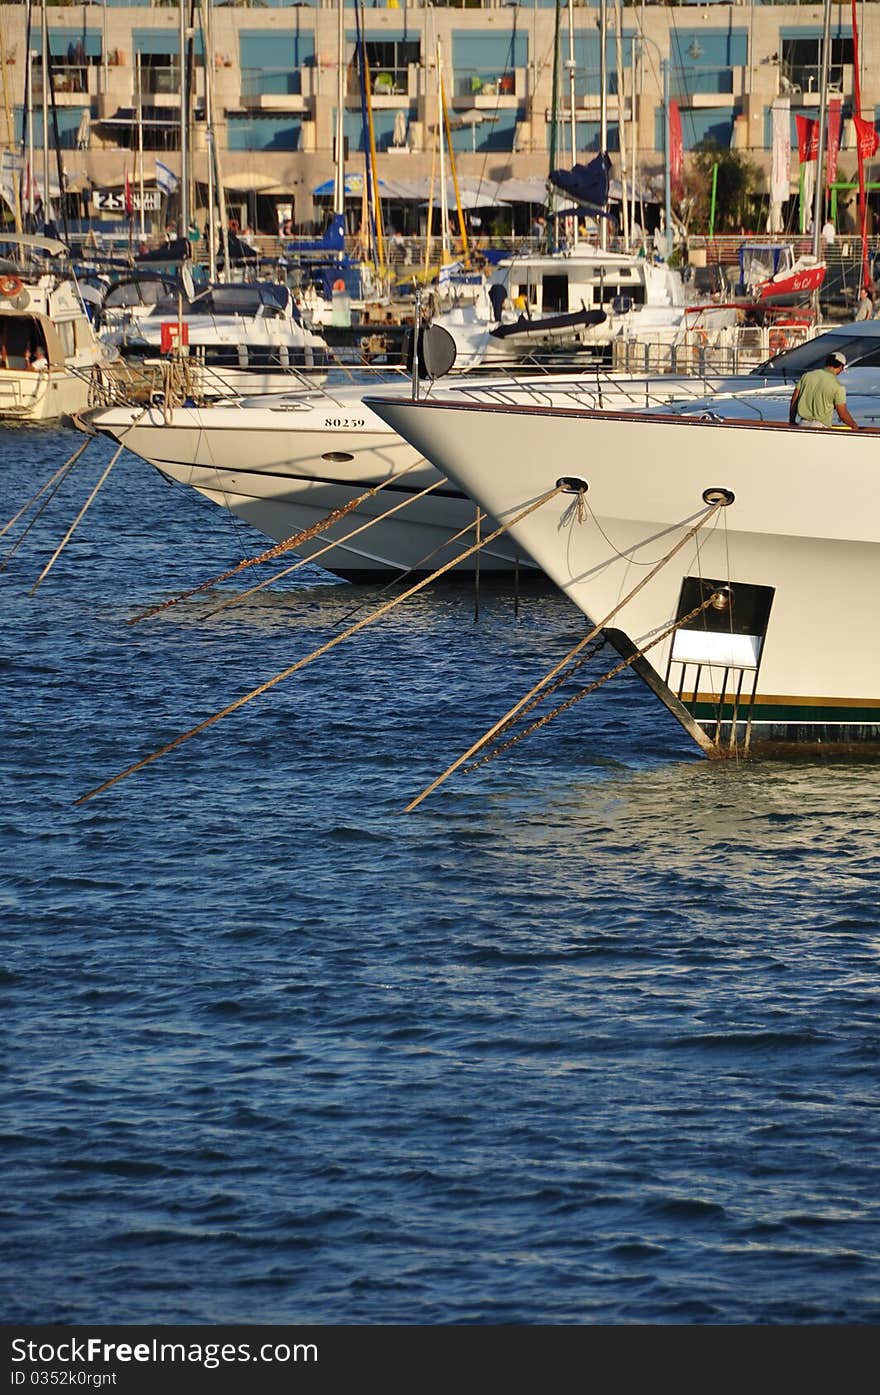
[[10, 286]]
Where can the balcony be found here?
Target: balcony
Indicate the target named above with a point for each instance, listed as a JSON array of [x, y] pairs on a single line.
[[481, 87], [805, 80], [275, 89]]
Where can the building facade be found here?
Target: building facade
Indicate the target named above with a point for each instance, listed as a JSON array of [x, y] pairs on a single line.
[[272, 76]]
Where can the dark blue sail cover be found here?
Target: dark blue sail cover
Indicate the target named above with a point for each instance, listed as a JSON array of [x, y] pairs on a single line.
[[588, 184]]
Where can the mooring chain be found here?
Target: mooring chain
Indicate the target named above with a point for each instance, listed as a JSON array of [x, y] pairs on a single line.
[[328, 547], [288, 544], [593, 687], [597, 630], [551, 687], [321, 650]]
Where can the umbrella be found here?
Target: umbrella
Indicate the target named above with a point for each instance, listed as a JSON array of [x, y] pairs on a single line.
[[474, 118], [399, 137], [354, 187]]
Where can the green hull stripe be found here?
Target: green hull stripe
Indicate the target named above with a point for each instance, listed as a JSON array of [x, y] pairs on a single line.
[[786, 713]]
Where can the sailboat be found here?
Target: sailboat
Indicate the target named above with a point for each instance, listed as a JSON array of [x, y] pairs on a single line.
[[50, 355]]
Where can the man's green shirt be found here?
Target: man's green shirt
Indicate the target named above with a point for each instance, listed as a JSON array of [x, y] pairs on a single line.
[[819, 392]]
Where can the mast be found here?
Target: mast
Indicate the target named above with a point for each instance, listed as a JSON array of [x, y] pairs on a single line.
[[621, 123], [44, 32], [339, 176], [462, 224], [14, 174], [215, 175], [571, 66], [184, 127], [857, 114], [550, 234], [444, 211], [603, 104], [819, 191], [140, 126]]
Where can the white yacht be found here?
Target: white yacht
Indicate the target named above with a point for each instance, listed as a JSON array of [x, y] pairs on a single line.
[[247, 337], [580, 302], [732, 563], [49, 352], [284, 462]]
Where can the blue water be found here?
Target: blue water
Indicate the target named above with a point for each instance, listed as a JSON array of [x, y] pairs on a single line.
[[591, 1037]]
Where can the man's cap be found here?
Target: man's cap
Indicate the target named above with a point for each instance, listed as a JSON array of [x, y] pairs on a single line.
[[837, 357]]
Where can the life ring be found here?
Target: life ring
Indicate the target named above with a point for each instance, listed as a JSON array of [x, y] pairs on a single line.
[[777, 341], [10, 286]]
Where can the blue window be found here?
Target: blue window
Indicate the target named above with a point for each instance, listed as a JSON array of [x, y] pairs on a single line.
[[263, 132], [486, 62], [162, 42], [271, 63], [71, 45], [587, 57], [488, 135], [383, 130], [69, 119], [702, 60]]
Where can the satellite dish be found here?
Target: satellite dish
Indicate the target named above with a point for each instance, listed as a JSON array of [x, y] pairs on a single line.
[[187, 282], [436, 351]]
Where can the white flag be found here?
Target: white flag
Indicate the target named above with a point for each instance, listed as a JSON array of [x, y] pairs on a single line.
[[166, 179], [780, 172]]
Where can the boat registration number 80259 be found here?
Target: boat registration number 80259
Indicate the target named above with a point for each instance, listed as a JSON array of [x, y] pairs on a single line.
[[344, 421]]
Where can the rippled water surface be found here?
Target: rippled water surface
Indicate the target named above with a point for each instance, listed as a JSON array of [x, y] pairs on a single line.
[[592, 1036]]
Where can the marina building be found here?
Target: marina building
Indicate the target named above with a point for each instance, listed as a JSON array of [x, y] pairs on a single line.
[[267, 79]]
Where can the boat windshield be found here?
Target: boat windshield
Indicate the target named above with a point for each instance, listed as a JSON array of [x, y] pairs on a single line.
[[860, 351]]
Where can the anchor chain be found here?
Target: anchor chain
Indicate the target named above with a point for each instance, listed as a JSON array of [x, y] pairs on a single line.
[[593, 687]]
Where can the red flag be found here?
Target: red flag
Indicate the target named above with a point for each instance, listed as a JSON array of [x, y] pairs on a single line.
[[832, 129], [129, 205], [808, 138], [867, 138], [676, 147]]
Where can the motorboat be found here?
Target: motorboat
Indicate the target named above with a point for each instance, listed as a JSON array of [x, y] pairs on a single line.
[[580, 302], [236, 338], [283, 463], [775, 274], [731, 563], [50, 355]]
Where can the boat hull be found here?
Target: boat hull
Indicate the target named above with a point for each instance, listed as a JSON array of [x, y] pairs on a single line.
[[283, 483], [31, 396], [797, 548]]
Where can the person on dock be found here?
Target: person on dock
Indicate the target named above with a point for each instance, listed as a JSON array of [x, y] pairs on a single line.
[[865, 307], [819, 394]]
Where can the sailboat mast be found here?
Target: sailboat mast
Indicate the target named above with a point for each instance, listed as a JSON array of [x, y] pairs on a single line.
[[44, 29], [184, 127], [603, 104], [339, 176], [571, 65], [818, 192], [10, 138], [444, 211], [550, 230], [140, 128], [621, 115]]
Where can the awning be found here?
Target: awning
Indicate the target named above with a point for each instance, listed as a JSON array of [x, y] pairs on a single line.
[[354, 187], [247, 183]]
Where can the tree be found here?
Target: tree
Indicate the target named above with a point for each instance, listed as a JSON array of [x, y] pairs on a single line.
[[736, 185]]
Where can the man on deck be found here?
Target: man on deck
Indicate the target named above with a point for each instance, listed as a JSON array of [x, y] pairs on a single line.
[[819, 394]]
